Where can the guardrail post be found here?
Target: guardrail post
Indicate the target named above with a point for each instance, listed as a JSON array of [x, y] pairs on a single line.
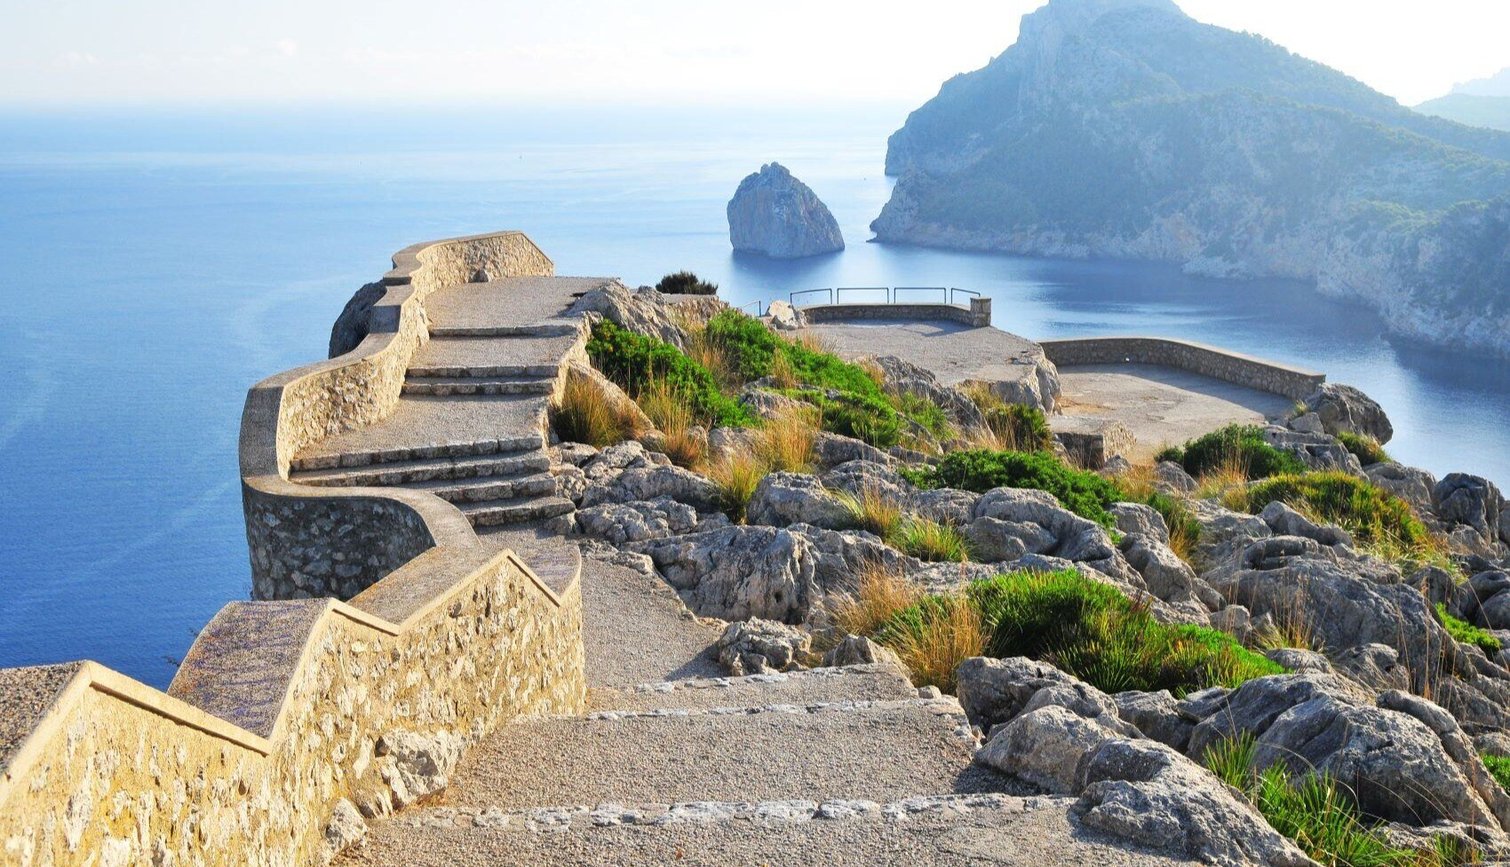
[[980, 312]]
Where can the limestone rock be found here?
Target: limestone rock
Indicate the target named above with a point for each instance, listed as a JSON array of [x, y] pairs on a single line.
[[904, 377], [736, 573], [768, 404], [831, 450], [646, 311], [860, 476], [351, 327], [858, 650], [945, 505], [775, 214], [1170, 578], [346, 828], [1316, 451], [1308, 423], [1173, 475], [758, 646], [840, 556], [622, 523], [653, 483], [794, 498], [993, 691], [1410, 484], [1157, 715], [1344, 409], [1044, 747], [1285, 521], [1469, 500], [417, 765], [1148, 794], [784, 317], [1136, 519], [1036, 520], [1224, 533]]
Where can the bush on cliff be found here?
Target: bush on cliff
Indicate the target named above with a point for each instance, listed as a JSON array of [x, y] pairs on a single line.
[[638, 364], [1235, 447], [1376, 518], [1365, 448], [1084, 493], [686, 283], [1088, 629]]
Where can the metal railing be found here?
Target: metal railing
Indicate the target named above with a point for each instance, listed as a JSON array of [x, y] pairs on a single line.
[[893, 294], [757, 304]]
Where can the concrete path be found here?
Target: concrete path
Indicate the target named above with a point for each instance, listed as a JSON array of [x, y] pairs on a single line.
[[470, 424], [1160, 406], [674, 764], [954, 352]]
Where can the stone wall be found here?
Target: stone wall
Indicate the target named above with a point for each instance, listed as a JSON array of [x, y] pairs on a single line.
[[290, 543], [275, 716], [1245, 370], [977, 315]]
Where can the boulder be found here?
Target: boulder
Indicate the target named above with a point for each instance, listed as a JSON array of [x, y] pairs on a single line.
[[1469, 500], [1285, 521], [831, 450], [345, 828], [653, 483], [1172, 475], [1170, 578], [622, 523], [1485, 600], [858, 650], [993, 691], [646, 311], [607, 464], [904, 377], [724, 442], [782, 316], [859, 476], [1344, 409], [1316, 451], [840, 557], [758, 646], [351, 327], [1044, 747], [1224, 533], [794, 498], [1157, 715], [1302, 661], [1116, 466], [770, 405], [775, 214], [945, 505], [415, 765], [1410, 484], [1148, 794], [736, 573], [1310, 423], [1045, 526], [1136, 519]]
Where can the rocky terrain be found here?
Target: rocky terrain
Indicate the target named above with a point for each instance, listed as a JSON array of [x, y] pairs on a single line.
[[1125, 129], [1373, 674], [774, 214]]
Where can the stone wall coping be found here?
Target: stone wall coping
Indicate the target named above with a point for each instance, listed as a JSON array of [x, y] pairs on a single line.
[[1247, 370], [820, 313]]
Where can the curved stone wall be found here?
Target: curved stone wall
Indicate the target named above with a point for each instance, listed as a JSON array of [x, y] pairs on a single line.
[[977, 315], [1246, 370], [292, 549]]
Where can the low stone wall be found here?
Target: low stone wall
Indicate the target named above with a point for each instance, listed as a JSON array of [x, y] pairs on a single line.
[[286, 412], [977, 315], [276, 714], [1246, 370]]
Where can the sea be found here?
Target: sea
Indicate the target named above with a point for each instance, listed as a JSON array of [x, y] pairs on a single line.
[[156, 263]]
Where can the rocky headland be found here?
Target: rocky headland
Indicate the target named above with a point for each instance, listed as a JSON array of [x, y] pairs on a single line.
[[1125, 129], [776, 215]]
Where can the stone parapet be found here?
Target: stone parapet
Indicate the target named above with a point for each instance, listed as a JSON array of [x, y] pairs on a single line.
[[977, 315], [278, 712], [1246, 370]]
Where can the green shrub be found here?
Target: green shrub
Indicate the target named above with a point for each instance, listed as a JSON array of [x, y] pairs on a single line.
[[863, 417], [1375, 517], [1499, 768], [930, 541], [637, 363], [1184, 527], [750, 346], [1084, 493], [1020, 427], [1235, 446], [686, 283], [1365, 448], [1092, 631], [1467, 633], [1318, 814]]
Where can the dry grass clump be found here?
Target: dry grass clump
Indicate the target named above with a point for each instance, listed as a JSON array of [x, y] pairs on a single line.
[[714, 356], [588, 415], [786, 442], [1009, 426], [671, 414], [737, 475], [955, 633], [880, 594], [872, 511], [1226, 482]]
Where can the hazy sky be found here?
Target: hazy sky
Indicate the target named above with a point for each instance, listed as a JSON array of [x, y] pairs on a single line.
[[185, 51]]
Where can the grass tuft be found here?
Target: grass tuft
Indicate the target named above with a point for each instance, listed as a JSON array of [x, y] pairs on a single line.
[[1365, 448], [930, 541], [737, 475], [1084, 493], [932, 637], [1467, 633], [1233, 449], [1378, 520], [587, 415], [880, 594]]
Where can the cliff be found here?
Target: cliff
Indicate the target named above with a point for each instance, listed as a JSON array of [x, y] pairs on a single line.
[[775, 214], [1123, 128]]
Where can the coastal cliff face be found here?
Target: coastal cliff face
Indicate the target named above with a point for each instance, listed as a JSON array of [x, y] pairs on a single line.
[[1125, 129], [775, 214]]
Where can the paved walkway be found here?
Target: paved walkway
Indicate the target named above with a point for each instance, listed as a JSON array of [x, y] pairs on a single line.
[[675, 765], [1160, 406], [954, 352]]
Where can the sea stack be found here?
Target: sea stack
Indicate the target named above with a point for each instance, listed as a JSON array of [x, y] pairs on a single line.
[[775, 214]]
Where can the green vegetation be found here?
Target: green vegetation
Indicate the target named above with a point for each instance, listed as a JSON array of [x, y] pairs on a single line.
[[1235, 447], [1013, 426], [638, 363], [1365, 448], [1087, 629], [1499, 768], [1084, 493], [1467, 633], [930, 541], [686, 283], [1375, 518], [1184, 528], [586, 415], [1318, 814]]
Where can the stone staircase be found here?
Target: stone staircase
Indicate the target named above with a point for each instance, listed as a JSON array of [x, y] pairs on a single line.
[[674, 764], [469, 426]]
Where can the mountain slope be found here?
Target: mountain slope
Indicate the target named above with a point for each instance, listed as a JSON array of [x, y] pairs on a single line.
[[1492, 112], [1123, 128]]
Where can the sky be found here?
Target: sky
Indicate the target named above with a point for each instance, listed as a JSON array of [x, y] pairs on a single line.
[[81, 53]]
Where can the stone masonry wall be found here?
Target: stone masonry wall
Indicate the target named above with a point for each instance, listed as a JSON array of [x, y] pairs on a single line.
[[1245, 370], [122, 775], [978, 315]]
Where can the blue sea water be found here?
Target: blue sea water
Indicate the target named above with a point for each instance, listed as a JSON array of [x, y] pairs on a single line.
[[158, 264]]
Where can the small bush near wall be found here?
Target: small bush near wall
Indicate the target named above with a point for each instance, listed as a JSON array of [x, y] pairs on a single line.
[[1235, 448], [1084, 493], [686, 283]]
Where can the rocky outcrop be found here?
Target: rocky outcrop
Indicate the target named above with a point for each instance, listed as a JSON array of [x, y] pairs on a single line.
[[758, 646], [646, 311], [1344, 409], [795, 498], [737, 573], [775, 214]]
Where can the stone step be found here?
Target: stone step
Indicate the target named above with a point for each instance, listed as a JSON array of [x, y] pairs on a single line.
[[514, 510], [449, 385], [814, 686], [467, 491], [938, 829], [483, 371], [881, 750], [431, 469], [569, 329], [511, 445]]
